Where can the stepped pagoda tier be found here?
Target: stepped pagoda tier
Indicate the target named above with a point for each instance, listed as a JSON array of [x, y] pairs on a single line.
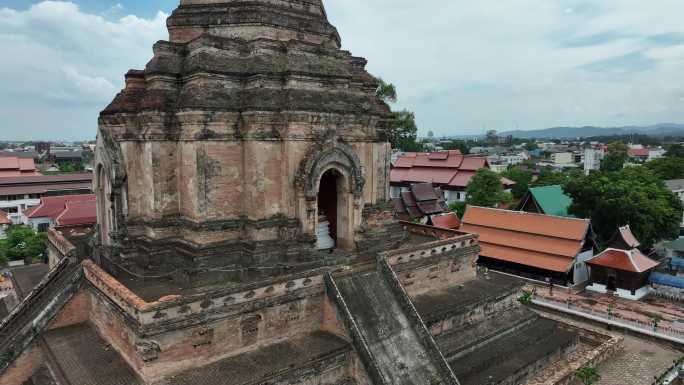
[[244, 127]]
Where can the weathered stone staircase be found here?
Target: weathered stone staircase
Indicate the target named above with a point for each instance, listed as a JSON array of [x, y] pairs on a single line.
[[388, 334], [29, 318]]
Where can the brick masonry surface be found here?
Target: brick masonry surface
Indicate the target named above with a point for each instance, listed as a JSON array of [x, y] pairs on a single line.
[[637, 364]]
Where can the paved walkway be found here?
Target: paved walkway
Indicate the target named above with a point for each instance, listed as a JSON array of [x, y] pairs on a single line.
[[638, 363], [670, 314]]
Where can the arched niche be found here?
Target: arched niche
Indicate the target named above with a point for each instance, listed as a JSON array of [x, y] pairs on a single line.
[[105, 214], [332, 172]]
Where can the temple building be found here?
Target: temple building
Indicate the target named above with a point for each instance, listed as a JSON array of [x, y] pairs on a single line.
[[547, 200], [535, 246], [624, 273], [215, 166]]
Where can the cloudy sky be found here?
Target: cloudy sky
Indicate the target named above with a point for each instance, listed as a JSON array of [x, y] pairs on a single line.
[[463, 66]]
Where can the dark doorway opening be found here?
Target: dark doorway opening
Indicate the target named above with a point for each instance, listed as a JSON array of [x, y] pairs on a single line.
[[612, 284], [327, 199]]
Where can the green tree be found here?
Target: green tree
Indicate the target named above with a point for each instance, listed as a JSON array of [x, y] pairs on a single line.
[[386, 91], [70, 167], [485, 189], [550, 177], [459, 208], [522, 179], [667, 167], [615, 158], [404, 132], [675, 151], [588, 375], [634, 196], [23, 242], [457, 145]]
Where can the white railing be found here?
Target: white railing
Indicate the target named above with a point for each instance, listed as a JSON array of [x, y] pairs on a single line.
[[649, 328]]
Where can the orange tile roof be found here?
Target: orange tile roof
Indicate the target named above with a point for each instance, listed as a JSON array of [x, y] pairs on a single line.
[[625, 260], [519, 221], [541, 241], [527, 257], [447, 221], [13, 166]]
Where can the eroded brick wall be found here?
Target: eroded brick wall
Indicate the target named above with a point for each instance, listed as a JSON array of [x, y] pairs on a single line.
[[23, 367], [241, 329]]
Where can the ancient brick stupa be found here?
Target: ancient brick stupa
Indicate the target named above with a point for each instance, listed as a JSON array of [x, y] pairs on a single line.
[[243, 127]]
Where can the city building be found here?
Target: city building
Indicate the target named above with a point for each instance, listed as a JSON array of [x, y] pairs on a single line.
[[535, 246], [624, 273], [592, 159], [13, 166], [19, 193], [451, 171], [562, 158], [677, 187], [65, 210], [547, 200], [638, 155]]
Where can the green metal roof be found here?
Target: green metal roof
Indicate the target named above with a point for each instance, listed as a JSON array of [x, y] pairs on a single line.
[[552, 200], [677, 245]]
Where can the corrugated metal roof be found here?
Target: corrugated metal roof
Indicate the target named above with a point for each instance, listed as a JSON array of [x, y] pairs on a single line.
[[667, 280]]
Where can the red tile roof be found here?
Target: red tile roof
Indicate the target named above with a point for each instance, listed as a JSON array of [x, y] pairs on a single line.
[[626, 260], [78, 213], [53, 207], [4, 219], [446, 221], [541, 241], [638, 152], [446, 168]]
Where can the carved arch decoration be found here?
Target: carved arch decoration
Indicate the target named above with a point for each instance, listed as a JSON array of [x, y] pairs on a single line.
[[321, 158], [110, 181]]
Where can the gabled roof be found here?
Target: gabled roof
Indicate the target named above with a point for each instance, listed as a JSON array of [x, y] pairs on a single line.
[[542, 241], [444, 168], [626, 260], [53, 207], [624, 239], [78, 213], [421, 200], [551, 200], [14, 166]]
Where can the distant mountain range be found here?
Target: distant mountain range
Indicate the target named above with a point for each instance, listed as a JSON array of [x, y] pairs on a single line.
[[663, 129]]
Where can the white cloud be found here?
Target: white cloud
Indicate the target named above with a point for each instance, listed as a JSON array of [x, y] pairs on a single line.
[[463, 66], [60, 60]]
